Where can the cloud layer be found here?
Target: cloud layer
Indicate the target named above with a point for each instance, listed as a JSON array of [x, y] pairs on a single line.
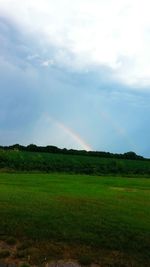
[[88, 34], [66, 73]]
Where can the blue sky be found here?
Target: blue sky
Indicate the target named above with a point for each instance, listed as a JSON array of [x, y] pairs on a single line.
[[75, 75]]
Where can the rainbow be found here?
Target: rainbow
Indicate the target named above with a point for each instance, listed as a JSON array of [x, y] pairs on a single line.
[[76, 137], [79, 140]]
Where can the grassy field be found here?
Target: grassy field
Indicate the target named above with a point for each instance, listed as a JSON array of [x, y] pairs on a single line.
[[104, 219]]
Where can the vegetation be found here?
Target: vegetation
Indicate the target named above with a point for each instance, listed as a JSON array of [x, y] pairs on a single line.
[[91, 218], [101, 219], [53, 149], [4, 253], [19, 160]]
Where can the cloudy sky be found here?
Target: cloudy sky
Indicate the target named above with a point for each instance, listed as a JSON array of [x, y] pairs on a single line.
[[76, 74]]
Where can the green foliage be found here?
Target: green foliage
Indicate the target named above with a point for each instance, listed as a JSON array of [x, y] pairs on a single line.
[[15, 160], [54, 149]]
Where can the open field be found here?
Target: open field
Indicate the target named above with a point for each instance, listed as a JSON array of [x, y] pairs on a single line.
[[102, 219]]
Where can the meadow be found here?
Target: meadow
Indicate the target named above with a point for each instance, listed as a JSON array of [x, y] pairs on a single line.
[[101, 219]]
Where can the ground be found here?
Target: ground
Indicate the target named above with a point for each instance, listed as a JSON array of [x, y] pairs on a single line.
[[89, 219]]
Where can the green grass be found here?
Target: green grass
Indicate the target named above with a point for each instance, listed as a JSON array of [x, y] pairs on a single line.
[[100, 213]]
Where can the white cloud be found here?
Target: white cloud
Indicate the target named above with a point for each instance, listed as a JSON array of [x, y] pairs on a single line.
[[87, 33], [48, 62]]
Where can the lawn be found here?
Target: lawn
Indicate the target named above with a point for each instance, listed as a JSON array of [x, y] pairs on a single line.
[[94, 216]]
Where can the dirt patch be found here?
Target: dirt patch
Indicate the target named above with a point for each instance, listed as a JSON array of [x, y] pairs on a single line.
[[62, 263], [50, 254], [12, 258], [125, 189], [77, 201]]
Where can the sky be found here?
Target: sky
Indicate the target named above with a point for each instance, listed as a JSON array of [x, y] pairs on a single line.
[[76, 74]]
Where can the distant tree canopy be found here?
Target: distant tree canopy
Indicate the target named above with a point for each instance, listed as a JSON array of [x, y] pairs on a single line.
[[53, 149]]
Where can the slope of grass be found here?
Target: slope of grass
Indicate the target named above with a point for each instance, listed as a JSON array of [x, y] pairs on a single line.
[[101, 213]]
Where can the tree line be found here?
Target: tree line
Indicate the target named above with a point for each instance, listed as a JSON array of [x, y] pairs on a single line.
[[54, 149]]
